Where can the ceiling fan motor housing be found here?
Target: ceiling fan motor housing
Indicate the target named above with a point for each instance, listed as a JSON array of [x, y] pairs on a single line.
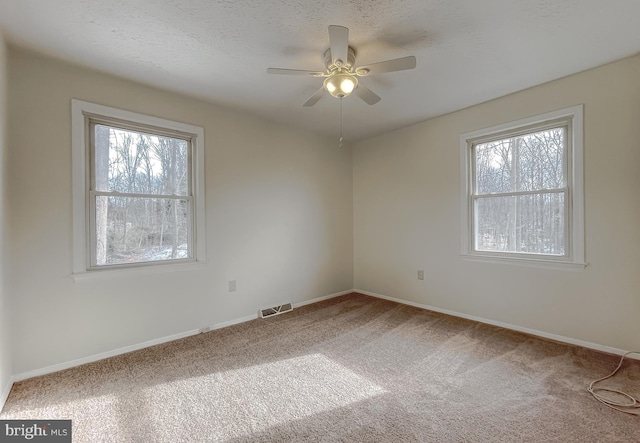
[[347, 64]]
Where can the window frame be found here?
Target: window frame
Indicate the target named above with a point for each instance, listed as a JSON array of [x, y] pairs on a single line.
[[83, 115], [574, 257]]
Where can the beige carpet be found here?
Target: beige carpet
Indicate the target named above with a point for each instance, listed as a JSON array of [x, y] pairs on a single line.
[[350, 369]]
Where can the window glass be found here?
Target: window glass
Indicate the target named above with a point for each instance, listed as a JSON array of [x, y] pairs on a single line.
[[137, 180]]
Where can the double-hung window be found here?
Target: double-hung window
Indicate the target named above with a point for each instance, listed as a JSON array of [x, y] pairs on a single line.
[[138, 189], [522, 190]]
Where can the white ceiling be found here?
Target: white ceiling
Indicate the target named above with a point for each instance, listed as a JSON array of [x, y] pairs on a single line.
[[468, 51]]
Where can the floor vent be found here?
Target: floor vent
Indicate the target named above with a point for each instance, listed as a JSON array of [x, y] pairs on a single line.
[[276, 310]]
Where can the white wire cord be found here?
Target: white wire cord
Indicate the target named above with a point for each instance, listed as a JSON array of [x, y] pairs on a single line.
[[630, 404]]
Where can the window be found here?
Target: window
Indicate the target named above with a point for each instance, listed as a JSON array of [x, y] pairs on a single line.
[[138, 190], [522, 191]]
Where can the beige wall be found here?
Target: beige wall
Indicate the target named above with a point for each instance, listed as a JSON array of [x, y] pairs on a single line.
[[5, 342], [279, 220], [407, 216]]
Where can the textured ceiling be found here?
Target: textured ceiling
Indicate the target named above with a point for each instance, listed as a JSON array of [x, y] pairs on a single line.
[[468, 51]]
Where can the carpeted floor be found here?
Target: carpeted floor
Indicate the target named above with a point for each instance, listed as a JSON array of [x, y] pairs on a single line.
[[349, 369]]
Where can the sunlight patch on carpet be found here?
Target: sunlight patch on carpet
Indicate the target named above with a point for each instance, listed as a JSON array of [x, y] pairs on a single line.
[[248, 400]]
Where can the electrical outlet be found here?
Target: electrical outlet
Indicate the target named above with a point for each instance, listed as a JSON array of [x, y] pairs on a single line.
[[420, 274], [232, 286]]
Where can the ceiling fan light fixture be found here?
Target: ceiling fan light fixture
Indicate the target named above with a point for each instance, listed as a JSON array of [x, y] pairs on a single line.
[[341, 75], [341, 85]]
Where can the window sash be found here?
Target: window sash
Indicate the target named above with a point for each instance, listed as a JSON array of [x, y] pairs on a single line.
[[92, 193], [566, 230], [94, 238], [92, 121], [473, 196]]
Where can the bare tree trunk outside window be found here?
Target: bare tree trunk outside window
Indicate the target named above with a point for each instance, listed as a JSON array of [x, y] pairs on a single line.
[[174, 203], [132, 224], [521, 184], [102, 183]]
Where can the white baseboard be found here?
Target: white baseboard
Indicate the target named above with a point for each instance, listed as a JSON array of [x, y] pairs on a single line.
[[146, 344], [4, 393], [101, 356], [547, 335], [324, 297]]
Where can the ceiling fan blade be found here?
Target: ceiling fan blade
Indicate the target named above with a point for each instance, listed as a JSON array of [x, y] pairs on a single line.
[[339, 43], [366, 94], [398, 64], [314, 98], [295, 72]]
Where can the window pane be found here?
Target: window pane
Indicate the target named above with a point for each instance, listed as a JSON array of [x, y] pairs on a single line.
[[132, 229], [530, 162], [133, 162], [531, 224], [493, 162], [541, 160]]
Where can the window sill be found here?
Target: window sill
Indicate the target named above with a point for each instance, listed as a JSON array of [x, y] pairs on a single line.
[[135, 270], [528, 262]]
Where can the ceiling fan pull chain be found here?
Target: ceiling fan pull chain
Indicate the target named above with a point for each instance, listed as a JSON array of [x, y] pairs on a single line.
[[340, 145]]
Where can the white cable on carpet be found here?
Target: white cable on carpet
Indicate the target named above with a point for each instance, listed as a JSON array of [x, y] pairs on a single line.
[[633, 404]]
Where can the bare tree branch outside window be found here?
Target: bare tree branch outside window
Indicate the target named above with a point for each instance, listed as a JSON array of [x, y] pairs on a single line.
[[520, 193], [142, 196]]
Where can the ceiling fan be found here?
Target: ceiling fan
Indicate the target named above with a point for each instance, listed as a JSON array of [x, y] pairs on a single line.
[[341, 76]]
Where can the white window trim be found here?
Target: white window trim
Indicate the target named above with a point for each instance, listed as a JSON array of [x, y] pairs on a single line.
[[79, 110], [576, 256]]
